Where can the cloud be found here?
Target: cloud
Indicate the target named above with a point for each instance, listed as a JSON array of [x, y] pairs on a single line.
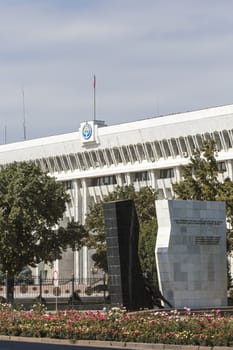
[[150, 57]]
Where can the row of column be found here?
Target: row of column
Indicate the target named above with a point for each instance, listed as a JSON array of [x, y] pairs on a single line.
[[82, 196]]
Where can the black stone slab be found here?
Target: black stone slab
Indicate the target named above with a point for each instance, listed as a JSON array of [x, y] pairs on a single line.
[[126, 282]]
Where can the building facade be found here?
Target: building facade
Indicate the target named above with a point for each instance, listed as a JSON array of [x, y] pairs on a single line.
[[149, 152]]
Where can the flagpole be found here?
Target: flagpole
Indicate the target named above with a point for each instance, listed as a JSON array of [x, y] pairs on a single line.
[[5, 133], [24, 119], [94, 86]]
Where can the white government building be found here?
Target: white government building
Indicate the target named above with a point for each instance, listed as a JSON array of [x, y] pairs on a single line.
[[149, 152]]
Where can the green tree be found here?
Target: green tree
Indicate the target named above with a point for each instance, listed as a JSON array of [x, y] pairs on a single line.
[[31, 205], [200, 176], [146, 247], [145, 205], [200, 182]]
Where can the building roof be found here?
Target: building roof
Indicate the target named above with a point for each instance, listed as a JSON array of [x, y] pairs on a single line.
[[148, 130]]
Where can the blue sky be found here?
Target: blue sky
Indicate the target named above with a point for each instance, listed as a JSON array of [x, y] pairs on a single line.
[[150, 57]]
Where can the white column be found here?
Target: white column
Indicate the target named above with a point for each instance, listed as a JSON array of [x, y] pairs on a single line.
[[35, 272], [76, 201], [76, 264], [128, 178], [85, 262], [153, 179], [177, 171], [84, 211], [84, 200], [229, 166], [56, 266], [78, 204], [119, 180]]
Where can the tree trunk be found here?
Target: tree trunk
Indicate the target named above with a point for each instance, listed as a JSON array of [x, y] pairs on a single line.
[[9, 289]]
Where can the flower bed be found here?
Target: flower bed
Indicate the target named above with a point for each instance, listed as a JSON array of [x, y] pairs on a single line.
[[211, 329]]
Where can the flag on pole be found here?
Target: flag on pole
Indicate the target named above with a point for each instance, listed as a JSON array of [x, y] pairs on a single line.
[[94, 85]]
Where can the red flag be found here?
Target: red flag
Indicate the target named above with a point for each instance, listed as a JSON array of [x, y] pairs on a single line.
[[94, 84]]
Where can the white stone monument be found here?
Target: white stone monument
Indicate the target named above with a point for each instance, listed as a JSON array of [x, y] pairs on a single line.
[[191, 253]]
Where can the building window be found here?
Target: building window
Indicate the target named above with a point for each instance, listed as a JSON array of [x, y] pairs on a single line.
[[101, 157], [191, 143], [60, 166], [174, 147], [104, 180], [109, 157], [168, 192], [226, 138], [166, 173], [132, 153], [217, 140], [73, 161], [67, 185], [182, 145], [149, 150], [80, 158], [125, 154], [65, 162], [43, 274], [199, 141], [166, 148], [87, 158], [117, 155], [222, 167], [160, 194], [207, 136], [140, 151], [141, 176], [123, 179]]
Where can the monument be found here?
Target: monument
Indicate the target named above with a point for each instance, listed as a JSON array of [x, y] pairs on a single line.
[[191, 253], [126, 283]]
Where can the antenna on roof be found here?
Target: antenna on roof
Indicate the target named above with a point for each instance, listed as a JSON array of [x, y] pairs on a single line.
[[94, 86], [24, 119], [5, 133]]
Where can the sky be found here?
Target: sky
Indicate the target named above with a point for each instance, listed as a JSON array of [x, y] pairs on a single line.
[[150, 58]]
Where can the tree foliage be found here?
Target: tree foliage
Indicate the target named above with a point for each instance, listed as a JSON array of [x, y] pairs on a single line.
[[201, 182], [146, 247], [31, 205], [200, 175], [145, 206]]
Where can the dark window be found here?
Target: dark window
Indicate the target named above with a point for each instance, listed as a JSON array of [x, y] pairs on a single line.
[[222, 167], [191, 143], [65, 162], [104, 180], [88, 160], [125, 154], [67, 185], [166, 148], [166, 173], [141, 176], [174, 146], [132, 152], [101, 157], [109, 156], [183, 145], [226, 138], [149, 150], [217, 140], [158, 149], [141, 151], [117, 155], [73, 161]]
